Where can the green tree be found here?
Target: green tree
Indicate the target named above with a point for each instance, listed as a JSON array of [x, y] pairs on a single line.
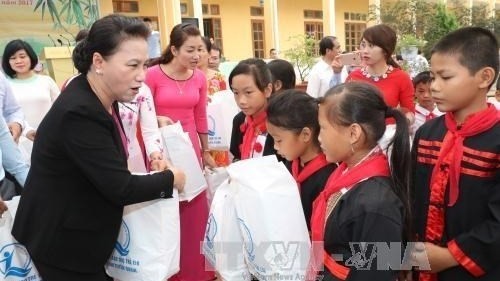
[[301, 54], [441, 24]]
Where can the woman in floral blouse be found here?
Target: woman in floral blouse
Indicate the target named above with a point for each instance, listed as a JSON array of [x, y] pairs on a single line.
[[139, 115], [215, 82]]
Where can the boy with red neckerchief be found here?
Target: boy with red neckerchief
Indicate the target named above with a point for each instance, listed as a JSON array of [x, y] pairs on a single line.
[[456, 187]]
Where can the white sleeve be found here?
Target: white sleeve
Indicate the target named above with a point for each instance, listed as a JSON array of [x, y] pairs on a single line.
[[149, 125], [313, 84]]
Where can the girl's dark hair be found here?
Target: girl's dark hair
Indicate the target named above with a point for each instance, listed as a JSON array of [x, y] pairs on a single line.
[[82, 34], [383, 36], [282, 70], [105, 36], [257, 68], [294, 110], [10, 49], [208, 44], [178, 36], [362, 103]]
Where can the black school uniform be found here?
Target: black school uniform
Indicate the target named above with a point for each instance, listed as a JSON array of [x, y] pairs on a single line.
[[369, 212], [311, 187], [471, 227]]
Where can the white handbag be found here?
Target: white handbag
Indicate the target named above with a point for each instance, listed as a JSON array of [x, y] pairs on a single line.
[[148, 246], [15, 262]]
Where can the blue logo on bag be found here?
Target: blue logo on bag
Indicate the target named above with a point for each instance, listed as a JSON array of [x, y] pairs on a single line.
[[9, 267], [211, 231], [211, 126], [247, 237], [123, 241]]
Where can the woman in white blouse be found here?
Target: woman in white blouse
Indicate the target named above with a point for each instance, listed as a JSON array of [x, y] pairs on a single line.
[[140, 114], [34, 93]]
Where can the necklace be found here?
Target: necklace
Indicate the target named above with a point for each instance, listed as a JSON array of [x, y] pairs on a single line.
[[376, 78], [180, 88]]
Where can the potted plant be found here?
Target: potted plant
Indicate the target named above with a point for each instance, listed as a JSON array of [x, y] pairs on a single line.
[[301, 55], [408, 45]]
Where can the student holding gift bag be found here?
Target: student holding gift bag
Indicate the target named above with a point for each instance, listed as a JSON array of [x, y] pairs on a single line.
[[71, 209], [180, 94], [292, 120], [251, 82], [364, 201]]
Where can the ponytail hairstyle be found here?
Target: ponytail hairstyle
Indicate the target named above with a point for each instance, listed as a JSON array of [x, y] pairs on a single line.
[[105, 37], [258, 69], [383, 36], [294, 110], [362, 103], [178, 36]]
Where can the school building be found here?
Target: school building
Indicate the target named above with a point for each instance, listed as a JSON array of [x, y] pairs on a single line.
[[250, 28]]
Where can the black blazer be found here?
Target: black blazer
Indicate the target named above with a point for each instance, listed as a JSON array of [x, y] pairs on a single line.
[[71, 208], [237, 139]]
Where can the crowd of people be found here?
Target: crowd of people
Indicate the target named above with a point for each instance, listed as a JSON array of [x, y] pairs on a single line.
[[378, 156]]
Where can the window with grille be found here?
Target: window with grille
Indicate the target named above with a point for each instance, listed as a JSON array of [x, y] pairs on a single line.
[[126, 6], [214, 10], [204, 9], [353, 33], [315, 31], [258, 38], [257, 11], [313, 14]]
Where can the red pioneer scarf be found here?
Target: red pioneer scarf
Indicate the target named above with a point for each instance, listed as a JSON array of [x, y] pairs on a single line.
[[375, 166], [251, 128], [310, 168], [450, 155]]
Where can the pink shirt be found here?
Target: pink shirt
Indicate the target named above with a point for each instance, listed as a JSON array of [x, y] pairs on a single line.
[[181, 100]]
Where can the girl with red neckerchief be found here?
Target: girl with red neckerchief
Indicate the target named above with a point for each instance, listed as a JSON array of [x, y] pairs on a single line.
[[251, 83], [363, 200], [292, 120]]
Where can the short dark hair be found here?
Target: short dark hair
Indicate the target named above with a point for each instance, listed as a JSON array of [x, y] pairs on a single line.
[[257, 68], [282, 70], [423, 77], [105, 36], [326, 43], [217, 48], [294, 110], [476, 47], [147, 20], [208, 44], [10, 49]]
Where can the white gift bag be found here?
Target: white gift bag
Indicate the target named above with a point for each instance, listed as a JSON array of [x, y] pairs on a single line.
[[223, 243], [148, 246], [271, 219], [181, 153], [220, 112], [215, 177], [15, 262], [26, 147]]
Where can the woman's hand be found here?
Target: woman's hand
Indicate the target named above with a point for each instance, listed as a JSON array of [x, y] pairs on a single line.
[[208, 160], [31, 135], [3, 207], [15, 130], [164, 121], [179, 178], [411, 117]]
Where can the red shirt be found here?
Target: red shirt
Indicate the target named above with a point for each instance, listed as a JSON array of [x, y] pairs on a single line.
[[397, 88]]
